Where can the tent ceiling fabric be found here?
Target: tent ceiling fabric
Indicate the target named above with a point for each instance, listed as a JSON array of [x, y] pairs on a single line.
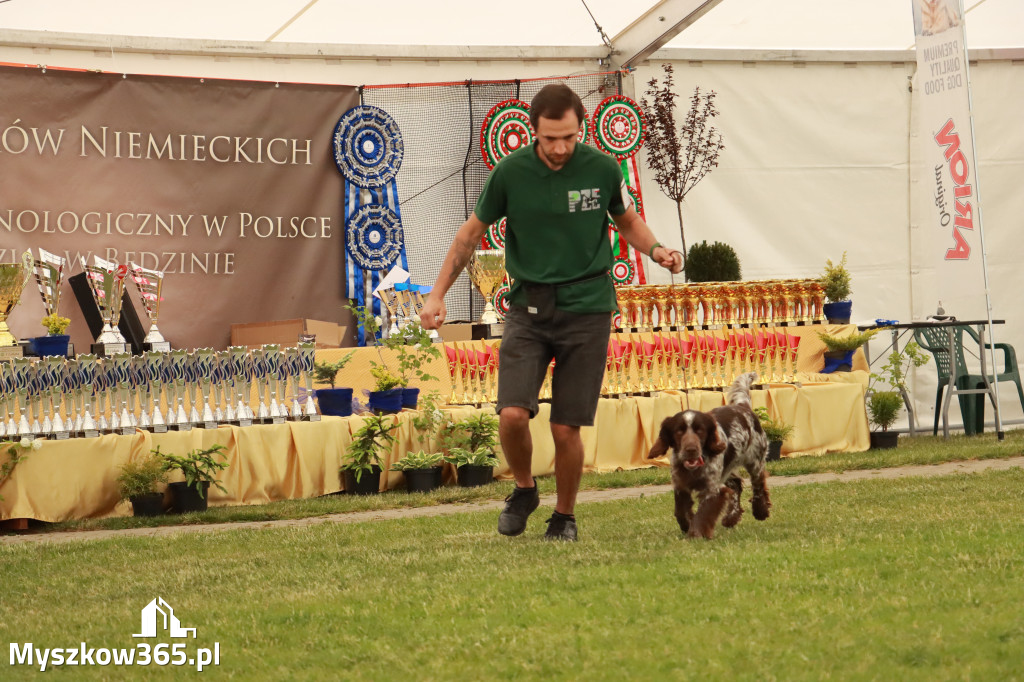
[[741, 24]]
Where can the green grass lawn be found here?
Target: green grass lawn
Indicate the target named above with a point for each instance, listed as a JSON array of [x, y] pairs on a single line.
[[920, 450], [908, 579]]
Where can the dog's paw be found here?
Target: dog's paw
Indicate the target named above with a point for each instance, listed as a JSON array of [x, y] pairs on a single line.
[[732, 518], [761, 508]]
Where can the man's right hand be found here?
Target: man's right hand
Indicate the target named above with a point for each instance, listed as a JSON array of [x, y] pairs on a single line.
[[434, 312]]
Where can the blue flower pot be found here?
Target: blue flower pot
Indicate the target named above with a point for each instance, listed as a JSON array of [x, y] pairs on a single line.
[[838, 313], [386, 402], [50, 345], [335, 401], [410, 396]]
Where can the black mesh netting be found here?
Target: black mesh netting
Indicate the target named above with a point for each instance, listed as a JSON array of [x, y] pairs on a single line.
[[443, 170]]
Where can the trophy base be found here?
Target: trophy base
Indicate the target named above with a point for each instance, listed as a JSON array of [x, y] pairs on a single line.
[[487, 331], [105, 349], [158, 346], [88, 433], [60, 435], [126, 431], [158, 428], [180, 427], [11, 352], [310, 418], [208, 425]]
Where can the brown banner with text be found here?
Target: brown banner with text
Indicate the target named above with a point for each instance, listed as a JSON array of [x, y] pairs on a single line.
[[228, 187]]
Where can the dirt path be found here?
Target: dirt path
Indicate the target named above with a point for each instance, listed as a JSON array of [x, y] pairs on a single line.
[[586, 496]]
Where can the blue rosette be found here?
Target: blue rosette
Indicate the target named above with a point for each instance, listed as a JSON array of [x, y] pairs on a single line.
[[368, 146], [374, 237]]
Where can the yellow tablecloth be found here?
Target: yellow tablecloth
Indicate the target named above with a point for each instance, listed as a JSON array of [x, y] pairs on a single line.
[[76, 478]]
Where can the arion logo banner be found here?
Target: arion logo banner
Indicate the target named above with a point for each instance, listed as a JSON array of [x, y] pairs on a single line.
[[584, 200], [158, 614]]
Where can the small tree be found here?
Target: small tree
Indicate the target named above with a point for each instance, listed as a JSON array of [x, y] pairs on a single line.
[[680, 158]]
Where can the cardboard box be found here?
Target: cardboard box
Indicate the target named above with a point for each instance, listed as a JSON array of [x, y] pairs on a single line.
[[456, 331], [286, 333]]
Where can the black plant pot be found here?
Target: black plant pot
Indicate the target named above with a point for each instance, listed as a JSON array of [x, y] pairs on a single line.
[[150, 504], [422, 480], [475, 475], [368, 483], [185, 498], [884, 440], [774, 450]]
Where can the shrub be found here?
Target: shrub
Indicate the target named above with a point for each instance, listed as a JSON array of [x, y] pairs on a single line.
[[883, 408], [141, 476], [715, 262], [836, 280]]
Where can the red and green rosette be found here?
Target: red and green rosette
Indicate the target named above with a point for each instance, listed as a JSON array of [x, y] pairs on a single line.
[[505, 129], [623, 270], [619, 126], [494, 238]]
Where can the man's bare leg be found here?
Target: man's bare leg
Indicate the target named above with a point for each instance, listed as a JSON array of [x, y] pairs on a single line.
[[517, 443], [568, 465]]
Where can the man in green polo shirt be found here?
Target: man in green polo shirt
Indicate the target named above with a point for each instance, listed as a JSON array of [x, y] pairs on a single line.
[[556, 196]]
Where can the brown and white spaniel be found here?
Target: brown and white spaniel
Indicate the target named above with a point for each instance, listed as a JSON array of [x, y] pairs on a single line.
[[707, 449]]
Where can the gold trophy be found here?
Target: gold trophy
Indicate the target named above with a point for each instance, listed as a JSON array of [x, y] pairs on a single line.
[[13, 278], [487, 270], [150, 284]]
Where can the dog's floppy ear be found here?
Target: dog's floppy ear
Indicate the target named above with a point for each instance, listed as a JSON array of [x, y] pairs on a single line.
[[717, 441], [664, 440]]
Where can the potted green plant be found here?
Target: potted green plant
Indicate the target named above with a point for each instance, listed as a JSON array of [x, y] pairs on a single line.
[[839, 349], [139, 482], [200, 470], [422, 470], [835, 282], [469, 444], [776, 431], [884, 406], [715, 262], [412, 346], [333, 401], [362, 466], [56, 341], [474, 467]]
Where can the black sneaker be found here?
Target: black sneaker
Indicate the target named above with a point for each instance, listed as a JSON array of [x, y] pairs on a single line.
[[518, 507], [561, 527]]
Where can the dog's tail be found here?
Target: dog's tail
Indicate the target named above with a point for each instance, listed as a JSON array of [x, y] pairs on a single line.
[[739, 392]]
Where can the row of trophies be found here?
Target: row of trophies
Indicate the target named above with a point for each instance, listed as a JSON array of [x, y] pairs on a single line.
[[106, 280], [159, 391], [404, 301], [691, 305], [636, 365], [720, 304]]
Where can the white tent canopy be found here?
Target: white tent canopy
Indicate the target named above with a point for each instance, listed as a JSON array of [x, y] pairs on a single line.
[[815, 98]]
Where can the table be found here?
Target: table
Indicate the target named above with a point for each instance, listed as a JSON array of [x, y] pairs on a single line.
[[899, 330]]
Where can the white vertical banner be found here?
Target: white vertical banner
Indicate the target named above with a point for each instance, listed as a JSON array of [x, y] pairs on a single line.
[[946, 217]]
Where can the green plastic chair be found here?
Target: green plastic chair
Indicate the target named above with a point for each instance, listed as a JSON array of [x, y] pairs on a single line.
[[972, 406], [1009, 371]]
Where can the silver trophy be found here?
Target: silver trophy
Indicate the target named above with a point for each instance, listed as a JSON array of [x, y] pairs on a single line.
[[204, 376], [106, 281], [307, 358], [154, 389], [8, 397], [53, 370], [150, 284], [124, 423], [24, 379], [192, 388], [221, 387], [177, 363], [105, 399], [242, 371], [88, 369], [139, 392], [276, 380], [260, 376], [49, 271]]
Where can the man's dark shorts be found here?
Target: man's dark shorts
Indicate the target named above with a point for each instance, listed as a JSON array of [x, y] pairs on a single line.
[[578, 343]]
